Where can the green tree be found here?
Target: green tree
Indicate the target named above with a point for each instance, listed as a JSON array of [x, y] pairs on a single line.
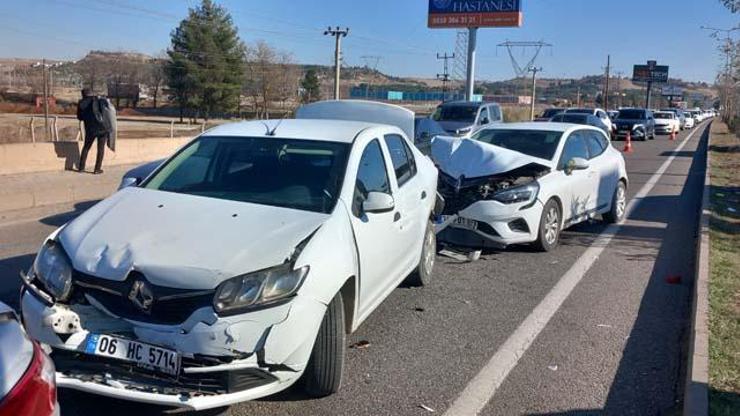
[[206, 63], [311, 86]]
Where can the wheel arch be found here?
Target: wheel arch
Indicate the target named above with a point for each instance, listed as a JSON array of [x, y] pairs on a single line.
[[349, 293]]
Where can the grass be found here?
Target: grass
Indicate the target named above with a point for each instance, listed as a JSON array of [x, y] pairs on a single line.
[[724, 283]]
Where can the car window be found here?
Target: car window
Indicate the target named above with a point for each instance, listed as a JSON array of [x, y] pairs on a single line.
[[596, 142], [290, 173], [372, 176], [575, 146], [403, 160], [494, 113], [464, 113], [484, 115]]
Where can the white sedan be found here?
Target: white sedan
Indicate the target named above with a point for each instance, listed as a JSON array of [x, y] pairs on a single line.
[[237, 267], [525, 182], [666, 122]]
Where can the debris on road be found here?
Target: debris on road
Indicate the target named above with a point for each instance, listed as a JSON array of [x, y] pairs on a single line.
[[427, 408], [552, 367], [470, 256], [604, 326], [419, 309], [360, 345], [673, 279]]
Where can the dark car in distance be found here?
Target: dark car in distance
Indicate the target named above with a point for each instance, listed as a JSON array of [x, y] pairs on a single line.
[[549, 113], [639, 122], [578, 118]]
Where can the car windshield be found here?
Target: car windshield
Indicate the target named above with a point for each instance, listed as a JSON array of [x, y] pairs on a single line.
[[663, 115], [299, 174], [571, 118], [580, 111], [465, 113], [536, 143], [631, 114]]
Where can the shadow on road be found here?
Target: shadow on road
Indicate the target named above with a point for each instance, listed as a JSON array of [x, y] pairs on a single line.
[[10, 284], [58, 220]]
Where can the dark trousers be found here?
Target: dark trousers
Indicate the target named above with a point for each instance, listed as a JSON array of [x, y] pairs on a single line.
[[89, 139]]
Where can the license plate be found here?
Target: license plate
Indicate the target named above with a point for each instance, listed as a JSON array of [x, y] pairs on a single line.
[[144, 355], [461, 222]]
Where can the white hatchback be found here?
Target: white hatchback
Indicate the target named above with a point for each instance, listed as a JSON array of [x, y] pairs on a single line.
[[237, 267], [525, 182]]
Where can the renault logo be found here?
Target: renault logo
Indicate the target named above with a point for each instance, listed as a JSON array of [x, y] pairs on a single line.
[[141, 296]]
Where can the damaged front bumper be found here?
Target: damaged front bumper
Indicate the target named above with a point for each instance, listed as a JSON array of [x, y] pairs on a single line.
[[491, 224], [225, 360]]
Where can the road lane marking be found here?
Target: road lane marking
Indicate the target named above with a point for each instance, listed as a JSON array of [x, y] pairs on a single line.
[[483, 386]]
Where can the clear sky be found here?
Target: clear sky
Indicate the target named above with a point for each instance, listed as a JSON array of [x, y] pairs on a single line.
[[583, 32]]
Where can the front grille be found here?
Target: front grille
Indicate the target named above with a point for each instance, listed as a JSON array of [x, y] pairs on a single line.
[[95, 369], [458, 199], [170, 306]]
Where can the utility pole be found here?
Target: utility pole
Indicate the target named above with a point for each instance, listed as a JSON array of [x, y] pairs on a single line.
[[445, 75], [470, 79], [338, 35], [606, 83], [46, 99], [534, 70], [578, 97], [376, 60], [619, 86]]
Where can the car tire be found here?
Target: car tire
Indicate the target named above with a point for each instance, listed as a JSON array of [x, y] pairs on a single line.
[[323, 375], [422, 276], [549, 228], [619, 205]]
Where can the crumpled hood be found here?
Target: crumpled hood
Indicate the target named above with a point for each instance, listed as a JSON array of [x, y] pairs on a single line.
[[182, 241], [471, 158]]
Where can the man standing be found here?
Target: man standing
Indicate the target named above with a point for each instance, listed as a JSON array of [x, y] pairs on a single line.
[[89, 111]]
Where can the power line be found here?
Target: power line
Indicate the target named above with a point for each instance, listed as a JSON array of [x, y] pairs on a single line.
[[445, 75]]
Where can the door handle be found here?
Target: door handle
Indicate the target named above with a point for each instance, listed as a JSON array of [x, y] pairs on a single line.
[[396, 216], [423, 194]]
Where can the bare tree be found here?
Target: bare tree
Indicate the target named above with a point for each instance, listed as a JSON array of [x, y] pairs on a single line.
[[156, 76], [271, 76]]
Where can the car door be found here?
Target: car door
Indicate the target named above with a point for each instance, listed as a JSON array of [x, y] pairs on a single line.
[[606, 170], [409, 193], [377, 235], [577, 188]]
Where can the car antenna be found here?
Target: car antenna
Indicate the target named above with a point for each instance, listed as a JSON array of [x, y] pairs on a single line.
[[272, 132]]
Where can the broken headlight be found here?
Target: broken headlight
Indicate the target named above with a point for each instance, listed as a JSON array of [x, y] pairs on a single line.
[[258, 288], [54, 270], [516, 194]]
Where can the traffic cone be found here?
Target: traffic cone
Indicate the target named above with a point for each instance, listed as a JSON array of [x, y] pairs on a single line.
[[673, 135], [628, 143]]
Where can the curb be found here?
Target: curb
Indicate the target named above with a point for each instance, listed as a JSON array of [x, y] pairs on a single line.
[[696, 391]]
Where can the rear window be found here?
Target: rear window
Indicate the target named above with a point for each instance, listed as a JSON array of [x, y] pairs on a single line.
[[551, 112], [580, 111], [571, 118], [535, 143], [663, 115]]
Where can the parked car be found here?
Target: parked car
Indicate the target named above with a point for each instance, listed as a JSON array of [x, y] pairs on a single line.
[[598, 112], [577, 118], [425, 129], [639, 122], [666, 122], [525, 182], [464, 117], [27, 383], [549, 113], [236, 268]]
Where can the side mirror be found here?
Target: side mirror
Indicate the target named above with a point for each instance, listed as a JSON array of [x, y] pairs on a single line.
[[484, 120], [129, 181], [577, 163], [377, 202]]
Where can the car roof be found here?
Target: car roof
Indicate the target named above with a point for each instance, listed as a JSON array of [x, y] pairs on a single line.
[[463, 103], [307, 129], [543, 126]]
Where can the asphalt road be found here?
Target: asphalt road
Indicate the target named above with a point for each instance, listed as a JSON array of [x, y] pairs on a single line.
[[614, 345]]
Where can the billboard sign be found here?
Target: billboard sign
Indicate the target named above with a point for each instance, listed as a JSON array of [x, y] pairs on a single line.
[[671, 91], [474, 13], [650, 73]]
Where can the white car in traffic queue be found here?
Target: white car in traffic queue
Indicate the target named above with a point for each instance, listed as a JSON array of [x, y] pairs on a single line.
[[690, 121], [525, 182], [237, 267], [666, 122]]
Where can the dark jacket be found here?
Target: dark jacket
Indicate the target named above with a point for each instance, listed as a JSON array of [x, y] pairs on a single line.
[[85, 113]]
